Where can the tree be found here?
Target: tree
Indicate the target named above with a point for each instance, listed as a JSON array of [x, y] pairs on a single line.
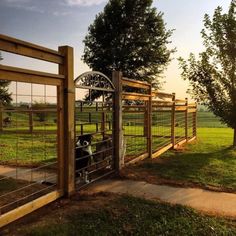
[[5, 96], [130, 36], [212, 76], [42, 116]]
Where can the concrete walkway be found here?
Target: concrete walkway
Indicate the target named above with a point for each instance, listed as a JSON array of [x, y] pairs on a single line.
[[28, 174], [218, 203]]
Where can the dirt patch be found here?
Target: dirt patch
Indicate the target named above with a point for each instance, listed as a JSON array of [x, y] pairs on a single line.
[[58, 211], [14, 193]]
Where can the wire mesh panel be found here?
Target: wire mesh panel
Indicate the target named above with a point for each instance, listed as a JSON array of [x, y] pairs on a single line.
[[191, 118], [28, 143], [179, 126], [161, 127], [162, 122], [94, 128], [134, 130], [136, 116]]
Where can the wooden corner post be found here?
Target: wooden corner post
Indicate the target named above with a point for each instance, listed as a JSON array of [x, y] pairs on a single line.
[[67, 101], [149, 122], [117, 120], [186, 119], [173, 120], [195, 122], [1, 116]]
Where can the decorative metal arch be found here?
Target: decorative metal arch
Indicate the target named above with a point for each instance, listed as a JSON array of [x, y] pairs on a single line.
[[94, 80]]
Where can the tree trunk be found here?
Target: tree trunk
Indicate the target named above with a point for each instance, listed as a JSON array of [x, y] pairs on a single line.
[[234, 143]]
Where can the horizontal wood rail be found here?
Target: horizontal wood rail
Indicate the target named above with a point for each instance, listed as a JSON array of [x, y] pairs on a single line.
[[135, 96], [181, 142], [16, 46], [135, 83], [30, 110], [29, 76], [41, 132], [161, 106], [180, 101], [29, 207], [127, 111], [180, 108], [192, 110], [162, 102], [137, 159], [192, 139], [161, 151], [192, 105], [133, 106]]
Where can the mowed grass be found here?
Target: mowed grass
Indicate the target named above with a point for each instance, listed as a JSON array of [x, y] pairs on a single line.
[[210, 161], [126, 215], [26, 149]]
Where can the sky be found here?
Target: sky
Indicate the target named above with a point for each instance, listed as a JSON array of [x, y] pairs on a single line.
[[53, 23]]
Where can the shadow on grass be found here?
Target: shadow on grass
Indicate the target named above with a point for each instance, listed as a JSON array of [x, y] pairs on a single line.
[[210, 168], [133, 216]]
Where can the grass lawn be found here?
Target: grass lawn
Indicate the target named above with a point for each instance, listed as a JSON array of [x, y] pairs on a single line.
[[207, 162], [27, 149], [107, 214]]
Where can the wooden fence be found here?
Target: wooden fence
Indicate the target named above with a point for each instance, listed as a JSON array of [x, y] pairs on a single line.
[[152, 121], [56, 151], [140, 124]]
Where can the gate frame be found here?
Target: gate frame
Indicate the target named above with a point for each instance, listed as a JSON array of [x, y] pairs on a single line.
[[113, 88]]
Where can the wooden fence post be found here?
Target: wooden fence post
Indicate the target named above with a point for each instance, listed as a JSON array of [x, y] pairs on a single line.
[[145, 127], [195, 123], [67, 160], [1, 116], [30, 120], [149, 122], [117, 120], [186, 119], [173, 121]]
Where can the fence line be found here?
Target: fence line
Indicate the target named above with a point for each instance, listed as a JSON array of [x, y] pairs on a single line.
[[153, 121], [144, 123]]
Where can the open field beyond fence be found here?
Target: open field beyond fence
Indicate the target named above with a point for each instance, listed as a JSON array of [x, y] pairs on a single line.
[[35, 149], [210, 162]]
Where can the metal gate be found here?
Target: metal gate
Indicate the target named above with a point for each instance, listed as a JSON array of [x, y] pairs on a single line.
[[94, 147]]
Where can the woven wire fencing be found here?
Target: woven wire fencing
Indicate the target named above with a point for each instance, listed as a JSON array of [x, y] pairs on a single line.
[[134, 130], [161, 127], [28, 141]]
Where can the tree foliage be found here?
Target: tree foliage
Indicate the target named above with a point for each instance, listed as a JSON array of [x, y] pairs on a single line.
[[130, 36], [43, 115], [212, 75], [5, 96]]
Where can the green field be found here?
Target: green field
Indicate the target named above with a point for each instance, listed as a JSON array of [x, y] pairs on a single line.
[[208, 120]]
